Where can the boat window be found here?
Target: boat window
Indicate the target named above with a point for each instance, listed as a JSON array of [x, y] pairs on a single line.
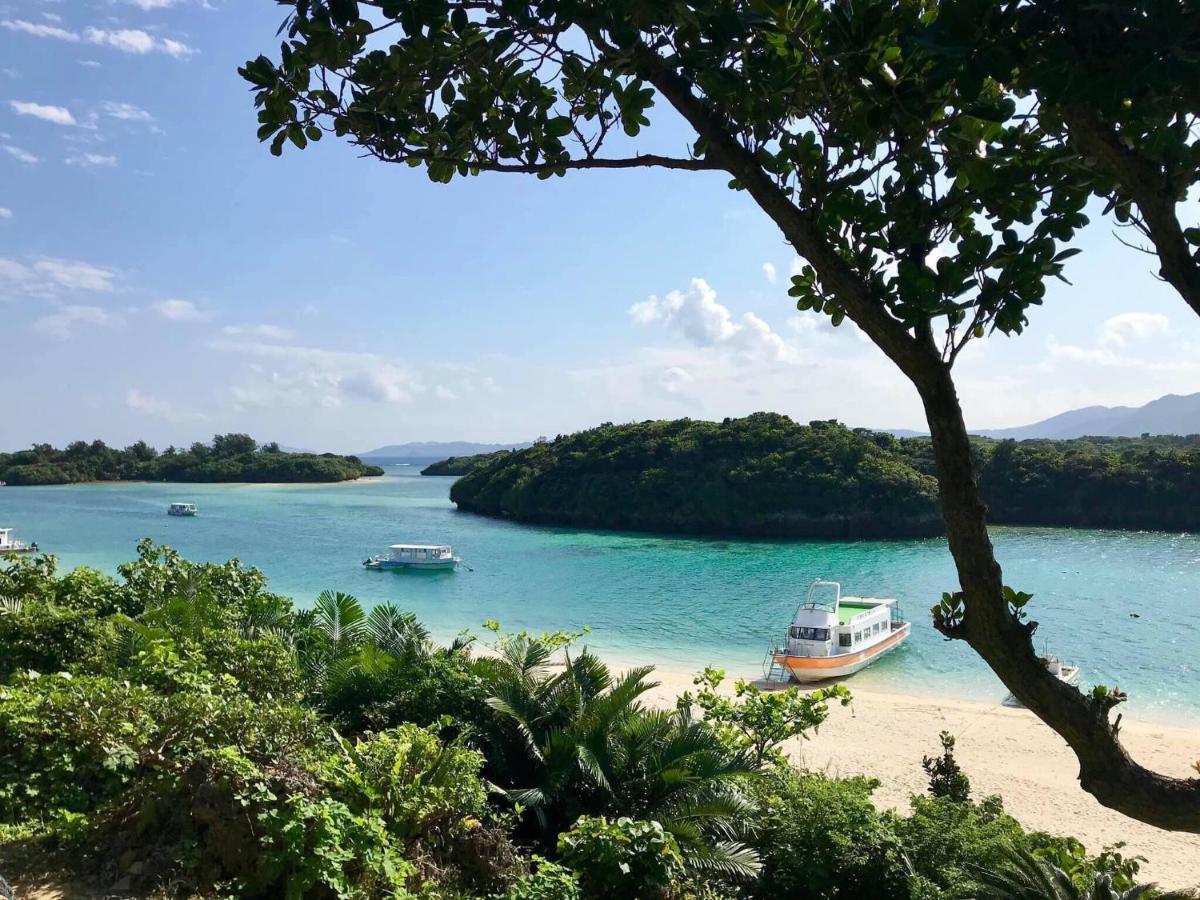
[[857, 636], [844, 639], [802, 633]]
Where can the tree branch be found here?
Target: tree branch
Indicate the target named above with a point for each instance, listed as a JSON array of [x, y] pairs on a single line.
[[1097, 140]]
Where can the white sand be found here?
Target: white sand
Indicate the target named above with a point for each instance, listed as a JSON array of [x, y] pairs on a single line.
[[1005, 751]]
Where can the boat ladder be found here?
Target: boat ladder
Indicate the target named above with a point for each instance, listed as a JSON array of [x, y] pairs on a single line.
[[773, 671]]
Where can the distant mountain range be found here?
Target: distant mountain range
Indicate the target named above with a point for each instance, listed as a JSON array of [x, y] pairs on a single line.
[[437, 449], [1172, 414]]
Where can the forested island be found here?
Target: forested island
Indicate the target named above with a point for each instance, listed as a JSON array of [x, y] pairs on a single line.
[[461, 465], [229, 458], [768, 475]]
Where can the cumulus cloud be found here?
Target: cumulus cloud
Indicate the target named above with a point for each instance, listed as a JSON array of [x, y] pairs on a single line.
[[264, 332], [92, 160], [1120, 330], [56, 114], [126, 40], [701, 320], [179, 310], [769, 272], [47, 277], [21, 155], [62, 323]]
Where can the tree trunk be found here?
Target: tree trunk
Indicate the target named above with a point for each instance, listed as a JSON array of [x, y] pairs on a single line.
[[1005, 642]]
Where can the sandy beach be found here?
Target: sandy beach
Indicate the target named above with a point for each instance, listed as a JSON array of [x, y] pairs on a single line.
[[1005, 751]]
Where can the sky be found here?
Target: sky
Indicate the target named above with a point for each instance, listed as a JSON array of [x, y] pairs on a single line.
[[162, 277]]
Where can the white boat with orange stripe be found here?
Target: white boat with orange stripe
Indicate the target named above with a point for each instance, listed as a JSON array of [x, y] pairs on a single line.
[[832, 636]]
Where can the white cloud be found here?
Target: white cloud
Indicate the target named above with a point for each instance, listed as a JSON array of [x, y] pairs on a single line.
[[442, 392], [179, 310], [57, 114], [92, 160], [146, 404], [1121, 329], [5, 214], [61, 324], [290, 375], [266, 332], [52, 17], [126, 40], [39, 30], [769, 272], [702, 321], [126, 112], [46, 277], [21, 155], [151, 5]]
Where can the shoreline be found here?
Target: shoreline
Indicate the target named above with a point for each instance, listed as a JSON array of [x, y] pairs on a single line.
[[1004, 750]]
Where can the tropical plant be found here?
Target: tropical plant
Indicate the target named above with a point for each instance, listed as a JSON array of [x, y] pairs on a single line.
[[577, 741], [623, 859], [1024, 875], [946, 777], [760, 721]]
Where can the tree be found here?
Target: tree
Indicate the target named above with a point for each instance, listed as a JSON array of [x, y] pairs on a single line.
[[871, 132]]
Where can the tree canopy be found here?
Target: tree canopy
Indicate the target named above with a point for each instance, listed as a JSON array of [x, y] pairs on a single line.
[[930, 160], [230, 457]]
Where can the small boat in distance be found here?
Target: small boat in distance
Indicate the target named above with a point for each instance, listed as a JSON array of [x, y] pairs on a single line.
[[420, 557], [182, 509], [832, 636], [8, 544]]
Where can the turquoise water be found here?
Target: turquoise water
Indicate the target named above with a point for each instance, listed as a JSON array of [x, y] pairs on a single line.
[[680, 602]]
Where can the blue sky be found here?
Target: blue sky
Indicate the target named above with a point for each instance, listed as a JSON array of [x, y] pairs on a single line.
[[163, 277]]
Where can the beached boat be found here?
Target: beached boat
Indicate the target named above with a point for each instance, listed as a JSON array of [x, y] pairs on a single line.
[[182, 509], [9, 544], [832, 636], [422, 557]]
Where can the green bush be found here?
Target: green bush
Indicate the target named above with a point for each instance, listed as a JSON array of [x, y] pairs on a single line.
[[418, 786], [821, 837], [623, 858], [548, 881]]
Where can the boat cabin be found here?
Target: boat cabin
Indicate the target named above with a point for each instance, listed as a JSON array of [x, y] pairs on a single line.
[[9, 544], [418, 553], [828, 624], [181, 509]]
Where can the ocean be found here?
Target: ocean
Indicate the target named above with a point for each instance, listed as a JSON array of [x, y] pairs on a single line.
[[678, 602]]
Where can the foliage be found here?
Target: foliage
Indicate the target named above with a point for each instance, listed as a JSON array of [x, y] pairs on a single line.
[[409, 779], [577, 741], [1025, 875], [230, 457], [460, 465], [760, 721], [946, 777], [548, 881], [820, 837], [623, 858], [763, 474]]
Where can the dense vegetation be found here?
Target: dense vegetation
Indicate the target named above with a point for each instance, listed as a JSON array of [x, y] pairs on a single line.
[[761, 475], [765, 474], [183, 730], [230, 457], [461, 465]]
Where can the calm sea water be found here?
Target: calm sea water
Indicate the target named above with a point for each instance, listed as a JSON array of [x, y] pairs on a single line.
[[677, 601]]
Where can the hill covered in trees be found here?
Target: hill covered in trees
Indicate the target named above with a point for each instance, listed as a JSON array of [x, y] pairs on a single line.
[[768, 475], [461, 465], [230, 457], [761, 475]]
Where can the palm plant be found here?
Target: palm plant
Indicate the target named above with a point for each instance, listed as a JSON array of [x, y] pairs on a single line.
[[1026, 876], [576, 740]]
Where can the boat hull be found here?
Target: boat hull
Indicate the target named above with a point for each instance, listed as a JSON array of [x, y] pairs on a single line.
[[823, 668], [438, 565], [183, 514]]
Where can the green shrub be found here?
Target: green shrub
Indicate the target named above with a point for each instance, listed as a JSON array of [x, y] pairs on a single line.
[[622, 858], [820, 837], [548, 881], [418, 786]]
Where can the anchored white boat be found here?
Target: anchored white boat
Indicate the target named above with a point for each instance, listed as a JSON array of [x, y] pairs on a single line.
[[182, 509], [423, 557], [832, 636], [9, 544]]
